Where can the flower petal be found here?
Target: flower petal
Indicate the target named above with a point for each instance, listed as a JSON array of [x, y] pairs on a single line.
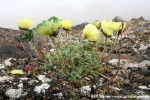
[[16, 71], [107, 28], [117, 26]]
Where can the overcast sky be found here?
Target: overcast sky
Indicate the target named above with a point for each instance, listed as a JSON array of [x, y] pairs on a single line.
[[78, 11]]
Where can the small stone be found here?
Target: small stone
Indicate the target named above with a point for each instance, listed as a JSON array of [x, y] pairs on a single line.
[[144, 64], [54, 67], [8, 63], [41, 88], [59, 95], [52, 50], [101, 81], [20, 85], [139, 92], [113, 62], [43, 78], [20, 66], [117, 89], [2, 66], [88, 79], [85, 90], [144, 87]]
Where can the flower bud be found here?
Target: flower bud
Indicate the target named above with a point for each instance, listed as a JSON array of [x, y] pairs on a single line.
[[66, 24], [97, 24], [24, 23], [91, 32]]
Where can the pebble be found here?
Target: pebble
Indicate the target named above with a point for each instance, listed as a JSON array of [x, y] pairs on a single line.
[[43, 78], [41, 88], [101, 81], [144, 87], [7, 62], [52, 50], [59, 95], [2, 66], [139, 92], [20, 85], [144, 64], [88, 79], [115, 88], [85, 90], [113, 62]]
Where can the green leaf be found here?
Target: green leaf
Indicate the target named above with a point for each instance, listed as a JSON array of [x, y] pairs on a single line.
[[28, 36], [72, 78]]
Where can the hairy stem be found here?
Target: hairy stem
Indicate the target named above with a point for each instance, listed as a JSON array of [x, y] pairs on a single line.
[[119, 55], [37, 51], [102, 56], [58, 54], [30, 54], [73, 52], [66, 35]]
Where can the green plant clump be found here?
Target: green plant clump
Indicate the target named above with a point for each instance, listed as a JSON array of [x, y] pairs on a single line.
[[79, 59], [81, 64]]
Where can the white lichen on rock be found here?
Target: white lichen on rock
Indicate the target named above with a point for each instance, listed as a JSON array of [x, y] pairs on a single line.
[[41, 88], [85, 90], [14, 93], [8, 62], [43, 78], [5, 78]]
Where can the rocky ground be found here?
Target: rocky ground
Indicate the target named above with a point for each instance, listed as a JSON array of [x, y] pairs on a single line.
[[132, 81]]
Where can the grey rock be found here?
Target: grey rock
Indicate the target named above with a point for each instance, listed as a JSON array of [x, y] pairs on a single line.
[[10, 47], [80, 26], [118, 19]]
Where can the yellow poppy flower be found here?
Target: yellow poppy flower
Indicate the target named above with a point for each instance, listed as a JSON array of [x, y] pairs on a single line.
[[107, 28], [55, 20], [97, 24], [46, 28], [66, 24], [124, 26], [16, 71], [110, 24], [91, 32], [24, 23], [117, 26]]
